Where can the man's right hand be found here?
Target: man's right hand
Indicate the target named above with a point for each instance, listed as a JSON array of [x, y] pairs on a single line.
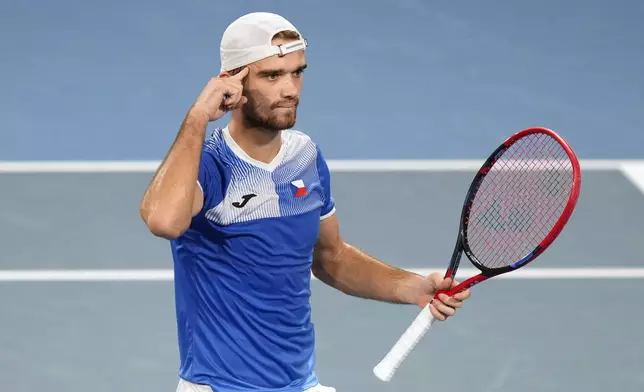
[[221, 94]]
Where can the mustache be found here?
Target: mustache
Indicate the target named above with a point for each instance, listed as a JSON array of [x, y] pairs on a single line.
[[286, 103]]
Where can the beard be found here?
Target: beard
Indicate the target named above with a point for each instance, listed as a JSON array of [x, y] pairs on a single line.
[[258, 113]]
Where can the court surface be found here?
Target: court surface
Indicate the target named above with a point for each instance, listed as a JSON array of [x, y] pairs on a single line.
[[86, 297], [561, 326]]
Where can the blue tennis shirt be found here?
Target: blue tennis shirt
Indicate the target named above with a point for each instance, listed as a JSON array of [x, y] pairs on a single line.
[[243, 268]]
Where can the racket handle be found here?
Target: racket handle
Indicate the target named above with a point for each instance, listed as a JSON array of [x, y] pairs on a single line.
[[387, 367]]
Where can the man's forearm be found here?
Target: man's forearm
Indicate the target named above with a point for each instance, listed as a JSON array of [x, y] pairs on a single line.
[[359, 274], [168, 202]]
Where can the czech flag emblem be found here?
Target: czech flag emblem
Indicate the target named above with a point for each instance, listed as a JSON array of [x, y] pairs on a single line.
[[298, 188]]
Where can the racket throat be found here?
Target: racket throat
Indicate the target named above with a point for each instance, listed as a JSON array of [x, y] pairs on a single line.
[[474, 280], [455, 260]]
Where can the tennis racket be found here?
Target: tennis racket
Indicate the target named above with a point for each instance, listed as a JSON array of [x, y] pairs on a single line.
[[519, 201]]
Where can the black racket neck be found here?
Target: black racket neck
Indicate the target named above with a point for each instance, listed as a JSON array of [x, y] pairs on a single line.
[[456, 258]]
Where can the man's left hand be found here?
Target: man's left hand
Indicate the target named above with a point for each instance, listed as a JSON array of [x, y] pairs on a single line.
[[444, 306]]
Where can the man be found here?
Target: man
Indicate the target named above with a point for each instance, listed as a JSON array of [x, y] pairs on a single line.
[[250, 215]]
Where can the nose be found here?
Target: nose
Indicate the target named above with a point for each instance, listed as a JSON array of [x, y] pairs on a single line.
[[290, 87]]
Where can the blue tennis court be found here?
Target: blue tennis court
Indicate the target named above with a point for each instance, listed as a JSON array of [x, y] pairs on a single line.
[[404, 98]]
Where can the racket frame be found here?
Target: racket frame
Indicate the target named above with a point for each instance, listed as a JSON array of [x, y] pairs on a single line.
[[462, 245]]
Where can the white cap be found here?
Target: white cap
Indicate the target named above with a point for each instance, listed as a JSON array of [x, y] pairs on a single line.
[[249, 39]]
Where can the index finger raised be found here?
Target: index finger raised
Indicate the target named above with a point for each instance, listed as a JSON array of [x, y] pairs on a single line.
[[240, 75]]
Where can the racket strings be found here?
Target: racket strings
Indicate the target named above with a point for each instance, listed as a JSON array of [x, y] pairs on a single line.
[[514, 247], [516, 218], [519, 201], [513, 222]]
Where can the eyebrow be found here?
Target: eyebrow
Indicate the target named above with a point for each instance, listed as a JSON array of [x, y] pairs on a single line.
[[280, 71]]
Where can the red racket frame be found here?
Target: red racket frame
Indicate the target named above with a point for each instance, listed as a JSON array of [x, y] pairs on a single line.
[[461, 243]]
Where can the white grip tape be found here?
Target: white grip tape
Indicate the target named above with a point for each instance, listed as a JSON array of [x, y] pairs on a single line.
[[387, 367]]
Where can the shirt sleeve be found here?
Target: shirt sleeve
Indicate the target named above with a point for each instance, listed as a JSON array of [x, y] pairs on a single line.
[[209, 179], [328, 206]]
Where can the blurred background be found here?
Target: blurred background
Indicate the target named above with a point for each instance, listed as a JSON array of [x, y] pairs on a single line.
[[86, 296]]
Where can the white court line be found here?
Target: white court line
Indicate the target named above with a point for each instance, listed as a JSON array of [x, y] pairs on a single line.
[[635, 173], [167, 274], [78, 166], [633, 170], [449, 165], [334, 165]]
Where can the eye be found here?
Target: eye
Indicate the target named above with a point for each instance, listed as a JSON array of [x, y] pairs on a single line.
[[298, 73], [272, 76]]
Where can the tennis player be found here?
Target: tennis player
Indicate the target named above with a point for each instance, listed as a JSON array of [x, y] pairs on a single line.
[[250, 214]]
